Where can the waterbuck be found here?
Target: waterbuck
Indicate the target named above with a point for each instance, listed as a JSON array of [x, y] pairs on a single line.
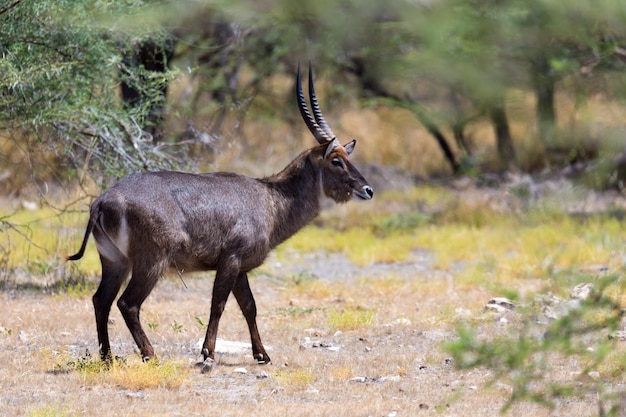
[[150, 222]]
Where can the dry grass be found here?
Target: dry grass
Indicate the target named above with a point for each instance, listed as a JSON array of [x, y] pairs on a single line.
[[365, 343], [388, 356]]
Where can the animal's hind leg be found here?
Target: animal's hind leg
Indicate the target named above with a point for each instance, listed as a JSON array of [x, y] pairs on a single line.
[[245, 299], [138, 289], [113, 275]]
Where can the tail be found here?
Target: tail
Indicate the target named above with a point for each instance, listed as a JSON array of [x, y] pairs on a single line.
[[90, 224]]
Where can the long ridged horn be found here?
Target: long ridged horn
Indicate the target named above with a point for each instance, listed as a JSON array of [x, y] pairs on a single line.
[[321, 135], [317, 113]]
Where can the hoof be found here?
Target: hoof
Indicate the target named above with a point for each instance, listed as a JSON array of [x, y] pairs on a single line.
[[205, 353], [207, 366], [148, 357], [262, 359]]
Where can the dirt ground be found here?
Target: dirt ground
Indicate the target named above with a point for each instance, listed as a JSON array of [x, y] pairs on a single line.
[[393, 364]]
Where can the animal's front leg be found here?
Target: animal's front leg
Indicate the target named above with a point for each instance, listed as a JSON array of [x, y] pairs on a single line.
[[224, 280], [218, 304], [245, 299]]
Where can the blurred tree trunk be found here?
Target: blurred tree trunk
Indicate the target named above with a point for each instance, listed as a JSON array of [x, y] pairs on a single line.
[[506, 151], [544, 86], [372, 86], [434, 130], [459, 122]]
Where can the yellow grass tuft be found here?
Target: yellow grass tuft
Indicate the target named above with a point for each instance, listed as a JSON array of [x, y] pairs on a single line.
[[341, 372], [132, 375], [295, 378], [135, 376], [360, 244], [51, 410], [350, 318], [314, 289]]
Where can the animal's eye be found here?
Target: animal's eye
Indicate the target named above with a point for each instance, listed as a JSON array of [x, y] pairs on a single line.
[[338, 162]]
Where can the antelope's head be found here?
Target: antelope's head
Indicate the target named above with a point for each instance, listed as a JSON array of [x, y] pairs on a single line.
[[340, 180]]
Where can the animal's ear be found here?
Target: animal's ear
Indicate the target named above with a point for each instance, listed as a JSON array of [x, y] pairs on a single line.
[[332, 145], [350, 146]]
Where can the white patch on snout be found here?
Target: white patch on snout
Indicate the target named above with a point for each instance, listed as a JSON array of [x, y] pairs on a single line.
[[112, 246], [362, 194]]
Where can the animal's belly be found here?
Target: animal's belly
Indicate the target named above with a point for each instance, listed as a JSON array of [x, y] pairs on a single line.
[[192, 262]]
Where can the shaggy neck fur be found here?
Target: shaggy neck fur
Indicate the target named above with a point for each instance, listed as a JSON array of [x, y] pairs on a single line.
[[297, 193]]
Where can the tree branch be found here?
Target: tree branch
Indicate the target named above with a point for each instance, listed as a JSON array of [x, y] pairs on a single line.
[[9, 7]]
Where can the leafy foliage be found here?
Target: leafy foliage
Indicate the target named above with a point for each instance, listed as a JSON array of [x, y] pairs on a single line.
[[578, 337], [449, 63], [59, 87]]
